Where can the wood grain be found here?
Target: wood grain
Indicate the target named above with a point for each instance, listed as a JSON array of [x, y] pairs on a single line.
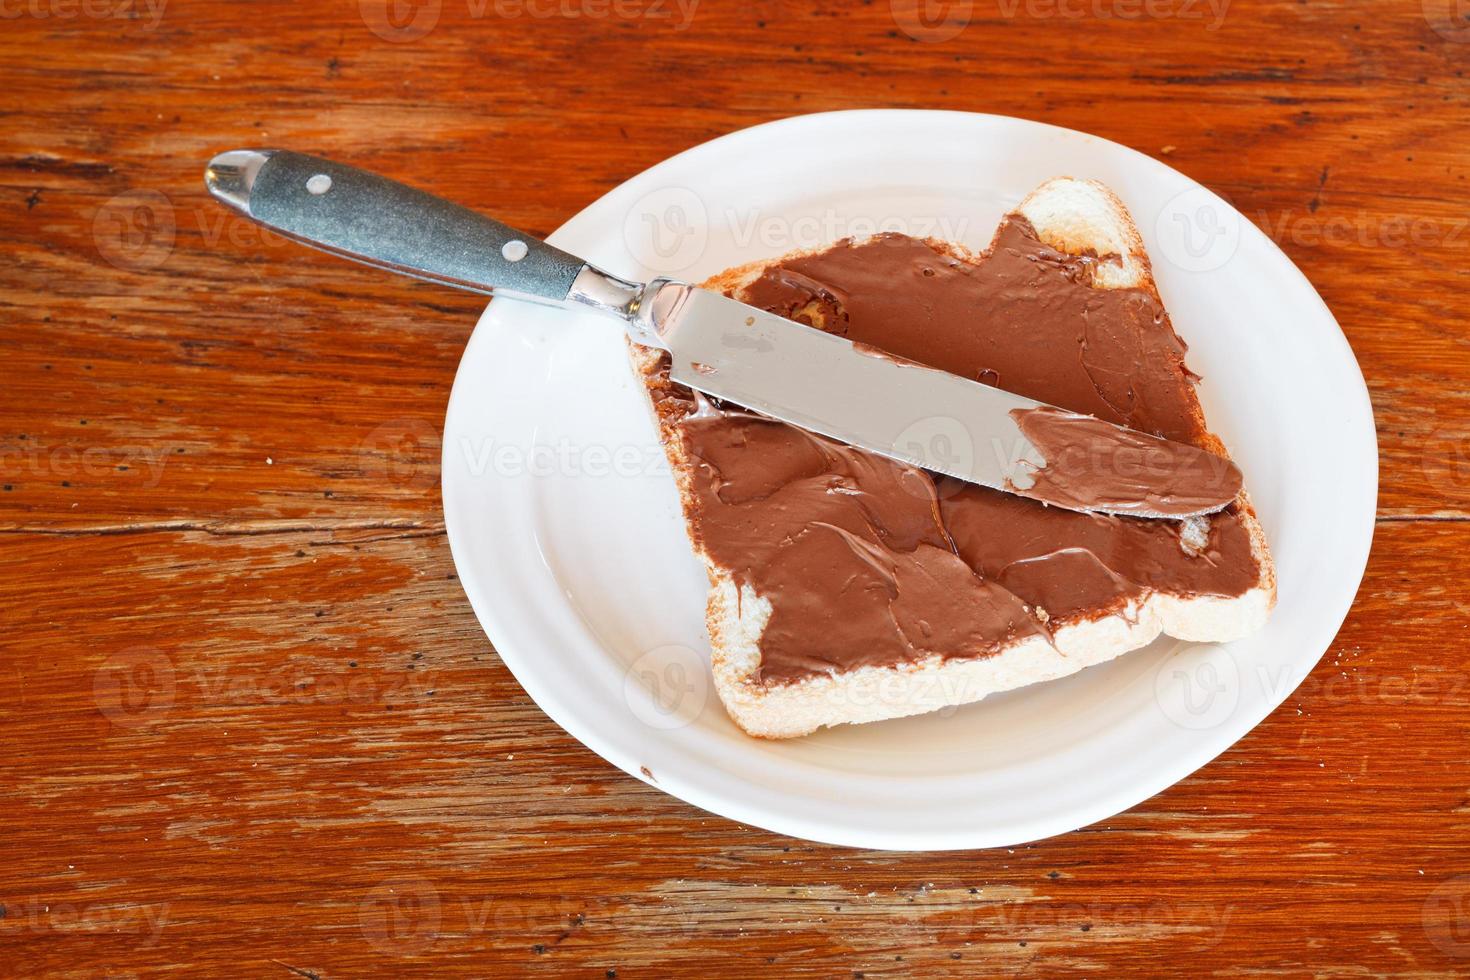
[[254, 727]]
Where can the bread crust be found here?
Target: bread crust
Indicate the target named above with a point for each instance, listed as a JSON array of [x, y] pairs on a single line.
[[1072, 216]]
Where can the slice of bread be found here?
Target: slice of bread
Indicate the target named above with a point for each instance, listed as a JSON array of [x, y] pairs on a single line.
[[1074, 217]]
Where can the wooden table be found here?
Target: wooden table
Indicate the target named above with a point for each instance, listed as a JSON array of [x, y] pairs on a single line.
[[253, 726]]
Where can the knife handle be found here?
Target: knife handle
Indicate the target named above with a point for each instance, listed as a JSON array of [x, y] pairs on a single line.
[[380, 222]]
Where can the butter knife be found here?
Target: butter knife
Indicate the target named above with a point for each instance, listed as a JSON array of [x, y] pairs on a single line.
[[738, 353]]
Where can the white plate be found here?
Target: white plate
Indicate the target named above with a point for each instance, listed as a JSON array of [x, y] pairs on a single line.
[[566, 531]]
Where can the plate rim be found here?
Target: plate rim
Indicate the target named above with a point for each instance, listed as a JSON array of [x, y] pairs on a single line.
[[1110, 802]]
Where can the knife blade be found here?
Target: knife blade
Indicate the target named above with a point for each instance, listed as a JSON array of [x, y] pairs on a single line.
[[778, 368]]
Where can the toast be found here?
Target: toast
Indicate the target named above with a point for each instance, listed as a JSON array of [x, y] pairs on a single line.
[[836, 599]]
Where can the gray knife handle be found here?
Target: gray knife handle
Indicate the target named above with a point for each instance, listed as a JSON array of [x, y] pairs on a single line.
[[380, 222]]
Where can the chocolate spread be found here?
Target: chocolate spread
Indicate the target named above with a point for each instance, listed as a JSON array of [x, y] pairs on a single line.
[[868, 562], [1091, 465]]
